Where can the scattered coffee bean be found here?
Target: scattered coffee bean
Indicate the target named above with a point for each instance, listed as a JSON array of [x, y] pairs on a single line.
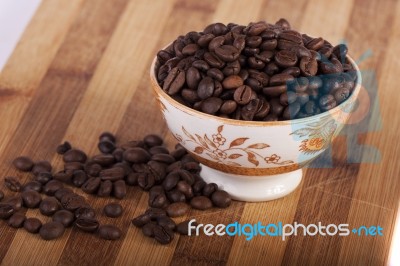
[[177, 209], [12, 184], [41, 166], [23, 163], [74, 155], [85, 212], [119, 189], [63, 148], [49, 206], [32, 225], [109, 232], [221, 199], [66, 218], [201, 203], [16, 202], [113, 210], [141, 220], [6, 210], [87, 224], [183, 228], [51, 230], [44, 177], [52, 186], [31, 198], [163, 235]]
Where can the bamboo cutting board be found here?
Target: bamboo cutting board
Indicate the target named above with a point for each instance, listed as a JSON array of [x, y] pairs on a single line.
[[81, 68]]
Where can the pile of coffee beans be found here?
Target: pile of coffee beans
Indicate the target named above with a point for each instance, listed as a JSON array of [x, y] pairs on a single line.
[[172, 180], [261, 72]]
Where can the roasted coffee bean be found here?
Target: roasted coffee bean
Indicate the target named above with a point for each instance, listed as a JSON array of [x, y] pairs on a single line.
[[158, 170], [302, 98], [137, 155], [183, 227], [63, 176], [17, 220], [174, 81], [286, 58], [41, 166], [91, 185], [315, 44], [221, 199], [209, 189], [293, 71], [213, 60], [227, 53], [141, 220], [198, 187], [311, 108], [232, 82], [52, 186], [51, 230], [170, 181], [12, 184], [79, 178], [112, 174], [287, 98], [162, 235], [84, 212], [280, 79], [327, 102], [23, 163], [87, 224], [166, 222], [6, 210], [113, 210], [106, 146], [211, 105], [72, 201], [107, 136], [32, 225], [105, 189], [216, 42], [231, 68], [72, 166], [148, 229], [109, 232], [153, 140], [74, 155], [146, 181], [176, 196], [66, 218], [205, 39], [276, 107], [308, 66], [119, 189], [243, 95], [257, 28], [118, 154], [190, 49], [94, 167], [163, 158], [201, 65], [158, 150], [154, 213], [291, 111], [341, 94], [31, 198], [205, 88], [340, 51], [62, 192], [330, 67], [177, 209], [132, 178], [201, 203], [49, 206], [228, 107], [43, 177], [275, 91], [15, 201]]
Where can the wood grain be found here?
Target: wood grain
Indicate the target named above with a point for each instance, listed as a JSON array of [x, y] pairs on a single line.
[[81, 68]]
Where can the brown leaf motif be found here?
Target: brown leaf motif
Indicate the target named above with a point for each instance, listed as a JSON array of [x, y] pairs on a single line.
[[258, 146], [237, 142], [234, 156], [198, 150], [252, 158]]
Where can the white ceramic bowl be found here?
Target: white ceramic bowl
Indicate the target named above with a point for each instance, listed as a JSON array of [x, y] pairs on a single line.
[[253, 160]]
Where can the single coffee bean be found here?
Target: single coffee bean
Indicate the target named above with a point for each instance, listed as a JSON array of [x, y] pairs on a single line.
[[6, 210], [32, 185], [166, 222], [201, 203], [118, 154], [177, 209], [287, 98], [119, 189], [174, 81], [205, 88], [74, 155], [105, 189], [257, 28], [221, 199], [209, 189], [154, 213], [72, 166], [12, 184], [16, 202], [275, 91], [286, 58], [41, 166], [109, 232], [31, 198], [291, 111], [107, 136], [32, 225], [49, 206], [302, 98], [183, 228], [158, 150], [17, 220], [243, 95], [72, 201], [137, 155], [91, 185], [141, 220], [162, 235], [66, 218], [51, 230], [79, 178], [293, 71], [63, 148], [340, 51], [106, 146], [310, 108], [190, 49], [330, 67], [63, 176], [23, 163], [232, 82], [228, 107], [176, 196], [201, 65], [308, 66], [171, 181], [276, 107], [315, 44], [87, 224], [84, 212], [279, 79], [227, 53], [327, 102], [112, 174], [342, 94], [43, 177], [93, 167], [113, 210], [52, 186], [211, 105], [148, 229], [62, 192], [163, 158], [153, 140]]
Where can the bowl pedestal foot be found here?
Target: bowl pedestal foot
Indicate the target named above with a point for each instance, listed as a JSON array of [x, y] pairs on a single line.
[[253, 188]]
